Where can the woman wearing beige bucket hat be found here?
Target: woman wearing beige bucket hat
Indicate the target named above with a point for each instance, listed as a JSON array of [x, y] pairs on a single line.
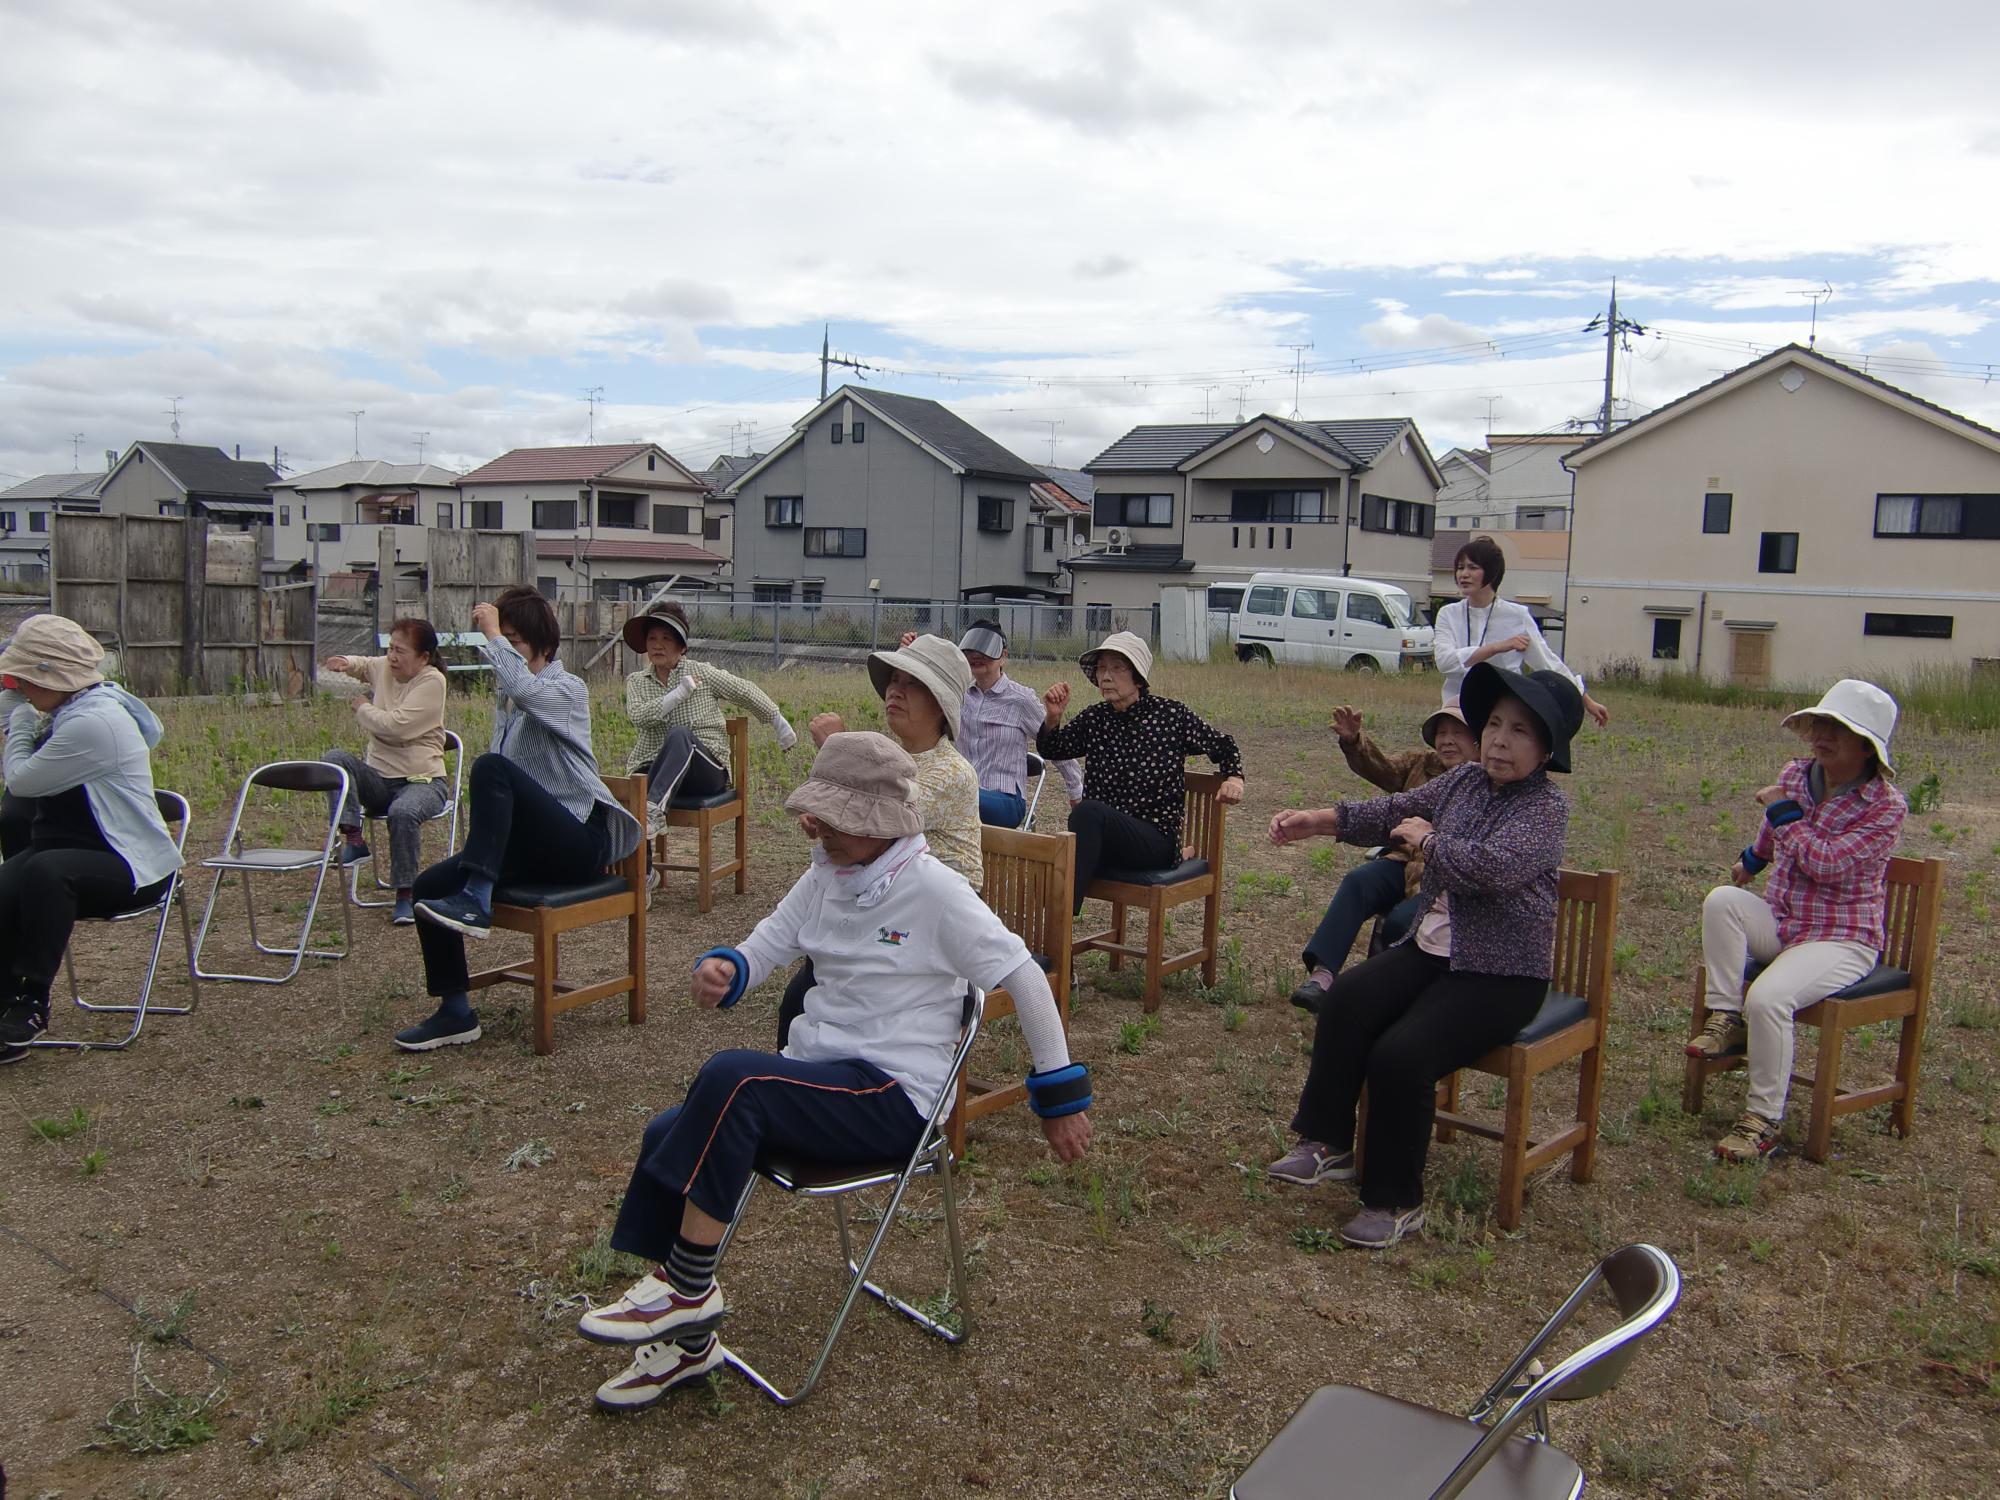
[[1134, 745], [895, 937], [79, 748], [1829, 827]]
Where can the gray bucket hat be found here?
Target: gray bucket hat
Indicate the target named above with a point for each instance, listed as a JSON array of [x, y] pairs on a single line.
[[937, 664], [862, 783], [1124, 643]]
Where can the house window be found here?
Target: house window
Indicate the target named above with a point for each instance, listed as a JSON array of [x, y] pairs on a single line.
[[1715, 509], [621, 511], [838, 432], [1402, 517], [812, 593], [650, 462], [38, 520], [545, 585], [1975, 516], [284, 515], [711, 529], [482, 515], [784, 510], [1538, 518], [554, 515], [836, 541], [1778, 552], [859, 431], [671, 520], [444, 515], [1272, 505], [771, 593], [173, 508], [1667, 637], [8, 520], [1923, 627], [1048, 539], [1266, 599], [322, 531], [1133, 510], [996, 513]]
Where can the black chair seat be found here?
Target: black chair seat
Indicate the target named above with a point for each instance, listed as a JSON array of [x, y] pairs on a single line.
[[1348, 1441], [537, 893], [1559, 1011], [1187, 869], [808, 1173], [1881, 980], [695, 804]]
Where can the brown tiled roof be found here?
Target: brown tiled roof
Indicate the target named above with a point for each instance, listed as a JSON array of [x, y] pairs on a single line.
[[618, 550], [1049, 490], [541, 465]]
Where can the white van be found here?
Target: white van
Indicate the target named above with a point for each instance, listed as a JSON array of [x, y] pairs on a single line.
[[1324, 620]]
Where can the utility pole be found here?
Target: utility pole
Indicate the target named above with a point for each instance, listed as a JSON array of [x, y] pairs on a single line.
[[592, 395], [75, 451], [1298, 371], [1052, 426], [1614, 326], [422, 438], [357, 416], [175, 413], [828, 357]]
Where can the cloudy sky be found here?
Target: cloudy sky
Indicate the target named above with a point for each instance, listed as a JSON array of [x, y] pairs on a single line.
[[1060, 219]]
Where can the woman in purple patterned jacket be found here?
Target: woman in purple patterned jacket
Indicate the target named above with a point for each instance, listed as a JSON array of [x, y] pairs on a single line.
[[1475, 967]]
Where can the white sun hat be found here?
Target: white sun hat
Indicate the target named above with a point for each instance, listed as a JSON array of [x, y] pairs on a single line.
[[1863, 708]]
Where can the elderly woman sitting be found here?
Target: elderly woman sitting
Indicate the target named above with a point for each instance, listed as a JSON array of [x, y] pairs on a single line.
[[1134, 745], [78, 752], [1830, 825], [1474, 971]]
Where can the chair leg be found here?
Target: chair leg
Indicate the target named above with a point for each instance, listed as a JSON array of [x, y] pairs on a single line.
[[1826, 1089], [1211, 925], [1156, 952], [704, 862], [743, 849], [1589, 1102], [1117, 936], [545, 990], [1514, 1144], [1909, 1055], [635, 958], [1448, 1100]]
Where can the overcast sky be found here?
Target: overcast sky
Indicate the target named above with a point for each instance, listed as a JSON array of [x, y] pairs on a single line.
[[457, 218]]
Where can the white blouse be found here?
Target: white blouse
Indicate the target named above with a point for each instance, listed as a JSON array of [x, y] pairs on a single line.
[[1462, 630]]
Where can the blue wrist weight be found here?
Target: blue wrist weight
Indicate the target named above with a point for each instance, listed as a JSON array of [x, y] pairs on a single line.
[[1784, 810], [736, 985], [1059, 1091], [1752, 861]]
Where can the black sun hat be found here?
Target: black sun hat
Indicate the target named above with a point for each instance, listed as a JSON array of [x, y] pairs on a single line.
[[1550, 697]]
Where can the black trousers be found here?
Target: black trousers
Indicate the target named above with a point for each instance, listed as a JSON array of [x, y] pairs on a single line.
[[1109, 838], [42, 893], [17, 821], [1398, 1023], [684, 768], [515, 831]]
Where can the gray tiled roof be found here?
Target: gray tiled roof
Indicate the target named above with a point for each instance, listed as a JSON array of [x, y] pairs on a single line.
[[949, 433], [1163, 449], [726, 470], [200, 470], [370, 471], [55, 487], [1078, 483], [1151, 557]]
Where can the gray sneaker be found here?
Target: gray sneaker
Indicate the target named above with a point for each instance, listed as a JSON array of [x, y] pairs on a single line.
[[1309, 1162], [1379, 1228]]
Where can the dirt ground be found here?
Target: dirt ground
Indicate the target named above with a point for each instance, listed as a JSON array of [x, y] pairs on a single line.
[[343, 1253]]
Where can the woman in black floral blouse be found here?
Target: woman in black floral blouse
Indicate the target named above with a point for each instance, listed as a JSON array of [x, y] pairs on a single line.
[[1133, 746]]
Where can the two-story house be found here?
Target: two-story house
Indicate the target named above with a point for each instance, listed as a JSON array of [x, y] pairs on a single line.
[[190, 479], [610, 519], [1527, 485], [346, 507], [1463, 501], [894, 497], [1207, 503], [1792, 522], [24, 520]]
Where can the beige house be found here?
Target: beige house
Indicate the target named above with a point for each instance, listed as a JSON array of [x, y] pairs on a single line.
[[1207, 503], [1792, 522], [347, 508]]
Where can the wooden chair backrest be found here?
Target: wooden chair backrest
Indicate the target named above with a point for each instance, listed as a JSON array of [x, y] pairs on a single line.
[[631, 794], [1030, 881], [1915, 893], [1586, 925], [739, 753], [1204, 817]]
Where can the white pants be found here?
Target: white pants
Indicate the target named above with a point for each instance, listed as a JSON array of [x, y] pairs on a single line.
[[1738, 925]]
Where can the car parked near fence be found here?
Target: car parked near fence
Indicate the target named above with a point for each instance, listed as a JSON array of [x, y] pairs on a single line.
[[1323, 619]]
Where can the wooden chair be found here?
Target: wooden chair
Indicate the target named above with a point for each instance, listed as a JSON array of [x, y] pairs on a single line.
[[705, 814], [1030, 881], [1899, 989], [1570, 1024], [1156, 892], [546, 912]]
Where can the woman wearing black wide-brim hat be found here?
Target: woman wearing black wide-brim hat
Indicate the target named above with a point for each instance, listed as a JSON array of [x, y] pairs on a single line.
[[1473, 970]]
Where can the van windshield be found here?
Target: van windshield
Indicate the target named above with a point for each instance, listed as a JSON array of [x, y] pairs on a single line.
[[1399, 606]]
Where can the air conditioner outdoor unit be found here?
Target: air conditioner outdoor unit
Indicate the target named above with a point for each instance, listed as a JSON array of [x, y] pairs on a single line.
[[1117, 539]]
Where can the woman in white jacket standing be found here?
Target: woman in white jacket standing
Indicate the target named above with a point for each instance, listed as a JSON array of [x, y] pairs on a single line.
[[80, 748], [1481, 626]]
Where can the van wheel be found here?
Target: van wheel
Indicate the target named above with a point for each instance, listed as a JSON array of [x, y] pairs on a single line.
[[1254, 656], [1366, 664]]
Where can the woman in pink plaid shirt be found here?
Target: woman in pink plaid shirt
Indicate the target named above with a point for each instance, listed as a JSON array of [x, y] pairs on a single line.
[[1830, 825]]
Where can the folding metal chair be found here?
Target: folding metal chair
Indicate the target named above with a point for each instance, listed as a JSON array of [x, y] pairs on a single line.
[[835, 1180], [455, 749], [174, 808], [317, 778], [1039, 769], [1396, 1450]]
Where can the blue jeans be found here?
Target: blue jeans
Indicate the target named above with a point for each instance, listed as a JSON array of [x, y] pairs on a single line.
[[1002, 809], [1370, 889]]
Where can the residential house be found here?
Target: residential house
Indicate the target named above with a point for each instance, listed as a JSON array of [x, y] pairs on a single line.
[[611, 520], [1462, 502], [24, 520], [1062, 505], [1215, 502], [346, 508], [1527, 485], [895, 497], [1793, 522], [719, 510], [191, 479]]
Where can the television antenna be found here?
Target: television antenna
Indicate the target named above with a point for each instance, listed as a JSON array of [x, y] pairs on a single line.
[[1824, 294]]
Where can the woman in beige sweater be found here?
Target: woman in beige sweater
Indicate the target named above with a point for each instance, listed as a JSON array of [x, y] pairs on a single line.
[[401, 778]]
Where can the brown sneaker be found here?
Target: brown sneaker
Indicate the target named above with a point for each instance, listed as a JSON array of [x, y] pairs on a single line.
[[1725, 1035], [1751, 1140]]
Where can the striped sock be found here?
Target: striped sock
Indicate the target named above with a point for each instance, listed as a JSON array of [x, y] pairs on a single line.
[[691, 1270]]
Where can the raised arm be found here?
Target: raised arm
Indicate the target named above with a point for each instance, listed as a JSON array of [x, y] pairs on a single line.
[[1367, 760], [76, 750], [772, 945], [1520, 851], [550, 697]]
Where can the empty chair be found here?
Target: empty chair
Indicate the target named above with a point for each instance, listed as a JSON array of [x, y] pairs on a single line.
[[315, 778]]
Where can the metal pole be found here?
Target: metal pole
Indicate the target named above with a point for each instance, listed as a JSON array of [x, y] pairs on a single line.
[[775, 608], [1610, 350], [1034, 613], [875, 623]]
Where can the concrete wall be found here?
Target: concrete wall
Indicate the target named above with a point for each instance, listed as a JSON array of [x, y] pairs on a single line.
[[1810, 461]]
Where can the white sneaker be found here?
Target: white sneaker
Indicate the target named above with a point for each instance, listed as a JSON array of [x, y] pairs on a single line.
[[652, 1309], [655, 1370]]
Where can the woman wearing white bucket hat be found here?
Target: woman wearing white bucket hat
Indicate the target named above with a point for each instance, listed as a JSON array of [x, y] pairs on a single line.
[[1830, 825]]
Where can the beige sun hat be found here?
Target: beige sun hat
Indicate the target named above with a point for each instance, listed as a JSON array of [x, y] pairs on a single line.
[[937, 664], [55, 653], [862, 783], [1863, 708], [1124, 644], [1449, 711]]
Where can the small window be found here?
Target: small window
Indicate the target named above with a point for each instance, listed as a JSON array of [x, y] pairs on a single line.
[[1048, 539], [323, 531], [1923, 627], [1223, 597], [620, 511], [545, 585], [444, 515], [996, 513], [836, 541], [650, 461], [1778, 552], [1715, 509], [1133, 510], [671, 520], [38, 520], [837, 433], [1267, 599], [482, 515], [711, 529], [812, 593], [1667, 635], [771, 593], [784, 510], [859, 431], [8, 520], [1366, 609], [554, 515], [284, 515], [1938, 515]]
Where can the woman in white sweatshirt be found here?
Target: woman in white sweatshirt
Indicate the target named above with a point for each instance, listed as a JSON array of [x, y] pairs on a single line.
[[1481, 626]]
